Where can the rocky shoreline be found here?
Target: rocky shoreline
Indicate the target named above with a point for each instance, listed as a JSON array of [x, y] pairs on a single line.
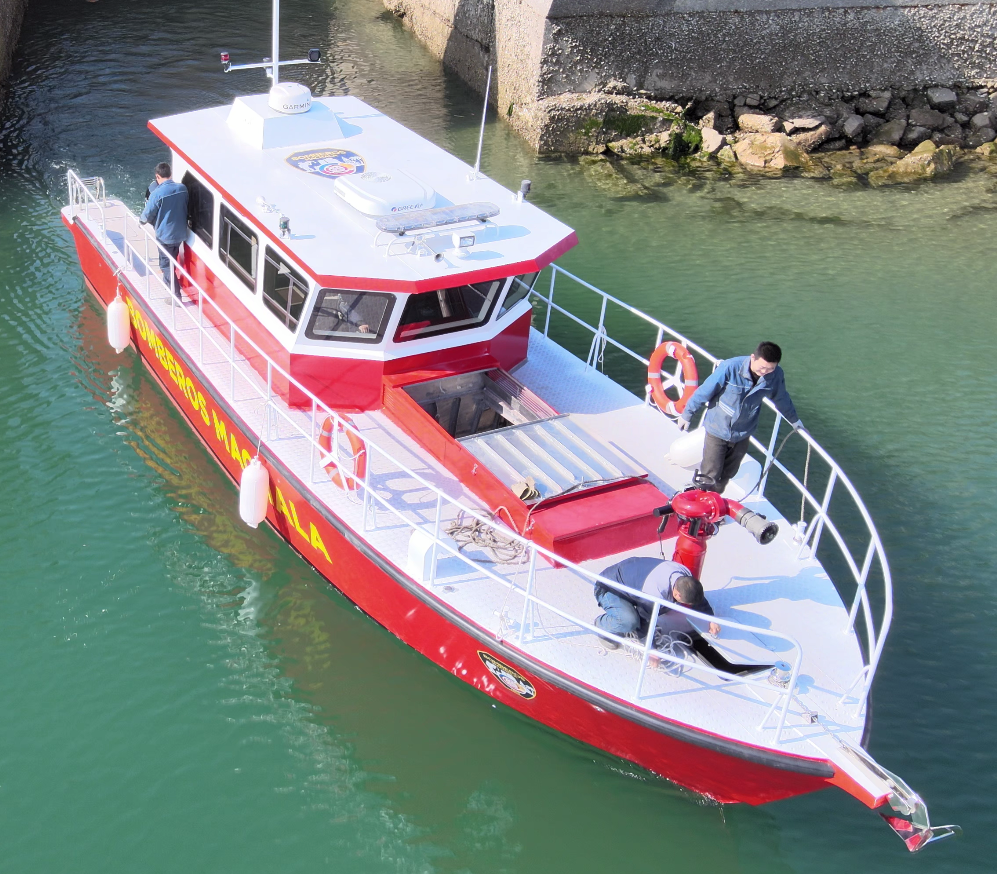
[[873, 138]]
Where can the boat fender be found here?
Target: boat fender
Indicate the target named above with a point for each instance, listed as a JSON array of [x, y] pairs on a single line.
[[118, 324], [687, 449], [254, 493], [346, 480], [690, 376]]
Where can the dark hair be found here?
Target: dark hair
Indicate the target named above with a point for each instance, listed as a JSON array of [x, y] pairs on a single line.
[[688, 591], [769, 351], [163, 171]]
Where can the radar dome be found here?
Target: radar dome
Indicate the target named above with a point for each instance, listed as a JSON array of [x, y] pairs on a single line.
[[290, 98]]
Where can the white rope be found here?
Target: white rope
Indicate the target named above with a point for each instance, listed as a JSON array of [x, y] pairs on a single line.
[[477, 534]]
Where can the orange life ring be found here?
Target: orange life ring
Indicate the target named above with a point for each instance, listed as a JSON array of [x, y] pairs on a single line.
[[347, 481], [690, 376]]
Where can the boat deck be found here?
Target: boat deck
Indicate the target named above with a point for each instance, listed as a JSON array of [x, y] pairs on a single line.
[[767, 588]]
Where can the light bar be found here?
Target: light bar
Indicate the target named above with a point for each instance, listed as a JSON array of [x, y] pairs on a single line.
[[423, 219]]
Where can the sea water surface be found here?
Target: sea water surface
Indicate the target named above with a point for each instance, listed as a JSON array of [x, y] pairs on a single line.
[[180, 693]]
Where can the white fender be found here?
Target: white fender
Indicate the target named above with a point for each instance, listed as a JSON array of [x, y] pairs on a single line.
[[254, 492], [118, 325], [687, 449]]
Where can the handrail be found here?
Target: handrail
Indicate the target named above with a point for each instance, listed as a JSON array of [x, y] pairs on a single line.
[[875, 635], [224, 341]]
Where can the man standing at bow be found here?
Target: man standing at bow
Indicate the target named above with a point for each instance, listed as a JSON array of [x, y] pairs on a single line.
[[166, 209], [733, 394]]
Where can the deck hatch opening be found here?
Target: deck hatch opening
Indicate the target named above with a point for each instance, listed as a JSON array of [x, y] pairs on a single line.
[[516, 435]]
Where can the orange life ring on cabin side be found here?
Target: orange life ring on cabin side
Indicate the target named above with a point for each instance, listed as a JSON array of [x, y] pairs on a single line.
[[350, 481], [690, 376]]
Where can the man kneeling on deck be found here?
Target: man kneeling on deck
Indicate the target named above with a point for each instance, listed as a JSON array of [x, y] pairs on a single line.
[[669, 580]]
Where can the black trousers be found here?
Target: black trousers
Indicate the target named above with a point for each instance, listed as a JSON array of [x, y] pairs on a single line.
[[721, 459]]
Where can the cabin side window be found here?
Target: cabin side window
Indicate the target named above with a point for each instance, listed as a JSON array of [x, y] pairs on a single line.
[[284, 289], [449, 309], [521, 287], [354, 316], [238, 246], [200, 208]]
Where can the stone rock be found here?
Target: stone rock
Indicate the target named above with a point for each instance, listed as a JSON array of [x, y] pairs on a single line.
[[607, 178], [914, 135], [713, 142], [815, 170], [843, 177], [853, 126], [634, 147], [915, 99], [898, 109], [987, 150], [726, 155], [939, 138], [876, 103], [980, 136], [752, 99], [980, 120], [808, 140], [943, 99], [925, 162], [739, 101], [771, 103], [615, 86], [973, 103], [955, 131], [769, 151], [890, 133], [884, 150], [795, 125], [962, 118], [834, 145], [758, 124], [872, 122], [842, 159], [717, 121], [929, 118], [715, 114]]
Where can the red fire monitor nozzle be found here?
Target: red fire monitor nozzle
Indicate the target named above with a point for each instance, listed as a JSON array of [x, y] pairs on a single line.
[[698, 513]]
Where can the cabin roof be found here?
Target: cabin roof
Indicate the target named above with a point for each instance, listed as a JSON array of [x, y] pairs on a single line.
[[332, 241]]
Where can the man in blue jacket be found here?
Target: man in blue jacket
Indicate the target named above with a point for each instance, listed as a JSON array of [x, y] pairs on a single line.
[[733, 394], [166, 209]]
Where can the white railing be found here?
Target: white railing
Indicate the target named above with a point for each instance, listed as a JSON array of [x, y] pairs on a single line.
[[222, 335], [809, 537]]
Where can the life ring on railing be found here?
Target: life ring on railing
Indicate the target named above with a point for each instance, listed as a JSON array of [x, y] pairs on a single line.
[[690, 376], [347, 480]]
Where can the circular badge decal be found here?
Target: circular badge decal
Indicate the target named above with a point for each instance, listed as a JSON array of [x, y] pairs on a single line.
[[328, 162], [508, 676]]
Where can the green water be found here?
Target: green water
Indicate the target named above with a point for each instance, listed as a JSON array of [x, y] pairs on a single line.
[[180, 693]]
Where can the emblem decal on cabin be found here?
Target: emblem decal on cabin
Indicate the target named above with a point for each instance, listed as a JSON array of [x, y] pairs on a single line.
[[328, 162], [508, 676]]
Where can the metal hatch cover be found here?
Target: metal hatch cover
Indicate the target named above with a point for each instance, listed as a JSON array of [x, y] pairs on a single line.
[[557, 453]]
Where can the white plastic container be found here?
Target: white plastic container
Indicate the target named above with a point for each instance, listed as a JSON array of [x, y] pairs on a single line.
[[254, 493], [118, 325], [687, 449]]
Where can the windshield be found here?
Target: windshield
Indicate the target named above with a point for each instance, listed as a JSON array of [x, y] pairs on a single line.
[[354, 316], [449, 309]]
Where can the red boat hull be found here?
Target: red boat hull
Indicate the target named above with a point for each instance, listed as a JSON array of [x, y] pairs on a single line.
[[714, 766]]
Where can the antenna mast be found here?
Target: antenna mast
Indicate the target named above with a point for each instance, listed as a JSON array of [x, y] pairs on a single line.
[[273, 64], [481, 136], [275, 57]]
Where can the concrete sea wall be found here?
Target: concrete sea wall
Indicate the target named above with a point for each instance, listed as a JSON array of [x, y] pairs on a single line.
[[555, 59], [11, 16]]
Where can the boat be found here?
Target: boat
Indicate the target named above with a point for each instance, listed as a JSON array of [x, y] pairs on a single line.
[[360, 329]]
